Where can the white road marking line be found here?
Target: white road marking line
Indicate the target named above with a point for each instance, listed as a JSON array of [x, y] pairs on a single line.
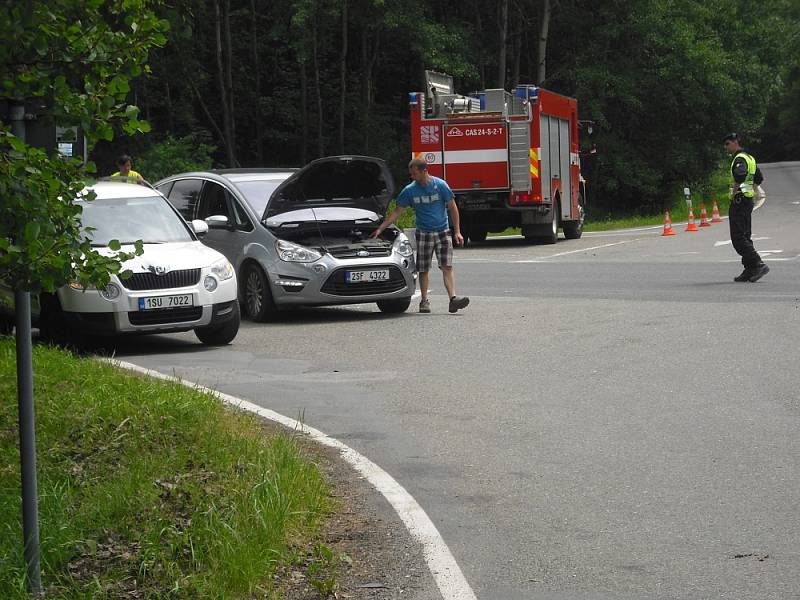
[[576, 251], [725, 242], [446, 572]]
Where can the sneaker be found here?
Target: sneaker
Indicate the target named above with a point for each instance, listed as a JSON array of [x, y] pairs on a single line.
[[425, 306], [458, 302], [759, 272], [745, 275]]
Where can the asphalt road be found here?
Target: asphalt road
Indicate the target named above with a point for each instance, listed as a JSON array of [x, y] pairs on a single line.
[[611, 417]]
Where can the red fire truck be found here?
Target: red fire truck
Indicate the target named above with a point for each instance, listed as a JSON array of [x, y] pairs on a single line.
[[510, 157]]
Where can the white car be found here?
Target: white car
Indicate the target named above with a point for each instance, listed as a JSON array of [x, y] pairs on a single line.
[[178, 284]]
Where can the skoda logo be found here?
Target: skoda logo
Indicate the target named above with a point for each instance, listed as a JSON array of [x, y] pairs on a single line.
[[363, 253], [157, 269]]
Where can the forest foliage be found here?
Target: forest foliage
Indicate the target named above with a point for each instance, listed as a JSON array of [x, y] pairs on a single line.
[[281, 82]]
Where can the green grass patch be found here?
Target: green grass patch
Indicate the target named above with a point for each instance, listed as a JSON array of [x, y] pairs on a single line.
[[149, 489]]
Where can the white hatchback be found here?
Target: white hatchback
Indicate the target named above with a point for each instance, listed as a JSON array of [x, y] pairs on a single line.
[[177, 284]]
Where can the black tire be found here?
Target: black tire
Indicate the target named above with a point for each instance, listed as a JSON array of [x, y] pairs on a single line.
[[256, 295], [394, 306], [222, 334], [547, 233], [54, 327], [550, 231], [573, 230], [478, 235]]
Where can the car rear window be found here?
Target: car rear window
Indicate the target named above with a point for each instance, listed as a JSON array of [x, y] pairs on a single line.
[[149, 219], [257, 193]]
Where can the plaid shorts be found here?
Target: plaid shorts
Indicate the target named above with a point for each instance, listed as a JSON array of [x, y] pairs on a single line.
[[430, 241]]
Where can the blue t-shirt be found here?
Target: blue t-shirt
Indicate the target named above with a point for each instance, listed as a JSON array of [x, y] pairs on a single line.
[[429, 203]]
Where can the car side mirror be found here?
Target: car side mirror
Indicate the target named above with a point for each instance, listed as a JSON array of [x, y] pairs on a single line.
[[217, 222], [199, 227]]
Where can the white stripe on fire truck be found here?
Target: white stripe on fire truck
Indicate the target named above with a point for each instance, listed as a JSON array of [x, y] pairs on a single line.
[[432, 158], [475, 156]]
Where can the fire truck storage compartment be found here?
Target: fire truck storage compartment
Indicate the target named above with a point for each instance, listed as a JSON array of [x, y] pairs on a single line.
[[556, 132], [476, 155]]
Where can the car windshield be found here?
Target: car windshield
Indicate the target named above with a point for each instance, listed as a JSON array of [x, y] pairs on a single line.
[[148, 219], [258, 192]]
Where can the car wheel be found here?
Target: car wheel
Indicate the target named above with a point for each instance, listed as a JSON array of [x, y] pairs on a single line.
[[53, 324], [258, 302], [394, 306], [221, 334]]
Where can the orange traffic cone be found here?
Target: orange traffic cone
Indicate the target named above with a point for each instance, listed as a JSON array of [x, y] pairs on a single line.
[[691, 225], [704, 222], [715, 218], [667, 225]]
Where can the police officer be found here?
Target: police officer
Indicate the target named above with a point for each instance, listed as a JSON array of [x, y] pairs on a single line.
[[746, 176]]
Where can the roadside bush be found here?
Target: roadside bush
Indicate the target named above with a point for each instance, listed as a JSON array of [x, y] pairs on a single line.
[[176, 155]]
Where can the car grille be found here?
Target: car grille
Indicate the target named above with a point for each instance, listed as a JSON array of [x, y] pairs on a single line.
[[161, 317], [172, 279], [336, 285], [353, 251]]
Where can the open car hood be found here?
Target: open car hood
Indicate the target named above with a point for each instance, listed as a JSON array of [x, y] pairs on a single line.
[[361, 182]]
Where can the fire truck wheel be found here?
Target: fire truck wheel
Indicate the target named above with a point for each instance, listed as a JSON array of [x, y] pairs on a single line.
[[477, 235], [574, 229], [544, 234]]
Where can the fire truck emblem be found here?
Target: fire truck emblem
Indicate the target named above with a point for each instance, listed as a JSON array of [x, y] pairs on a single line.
[[429, 134], [455, 132]]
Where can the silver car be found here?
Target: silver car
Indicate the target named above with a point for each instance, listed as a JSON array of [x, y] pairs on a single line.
[[301, 237]]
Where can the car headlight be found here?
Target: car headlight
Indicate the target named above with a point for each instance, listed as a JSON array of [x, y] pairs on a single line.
[[110, 292], [294, 253], [403, 246], [222, 269]]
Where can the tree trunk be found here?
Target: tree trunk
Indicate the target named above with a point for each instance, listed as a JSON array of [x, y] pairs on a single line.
[[479, 31], [226, 17], [369, 55], [256, 114], [303, 112], [168, 100], [343, 78], [317, 87], [503, 31], [544, 28], [226, 116]]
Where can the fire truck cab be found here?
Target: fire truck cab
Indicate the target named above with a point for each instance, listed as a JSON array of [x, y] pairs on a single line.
[[511, 158]]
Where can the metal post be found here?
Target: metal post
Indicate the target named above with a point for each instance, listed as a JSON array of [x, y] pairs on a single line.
[[27, 428], [27, 440]]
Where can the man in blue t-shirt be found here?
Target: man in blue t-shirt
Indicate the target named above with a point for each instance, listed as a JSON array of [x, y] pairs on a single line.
[[432, 200]]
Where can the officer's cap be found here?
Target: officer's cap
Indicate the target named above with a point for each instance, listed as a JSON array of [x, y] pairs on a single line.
[[731, 137]]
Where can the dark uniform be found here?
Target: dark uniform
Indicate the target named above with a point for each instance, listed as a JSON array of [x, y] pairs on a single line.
[[746, 175]]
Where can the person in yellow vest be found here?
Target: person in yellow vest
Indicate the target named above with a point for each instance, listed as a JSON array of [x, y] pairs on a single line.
[[745, 177], [125, 170]]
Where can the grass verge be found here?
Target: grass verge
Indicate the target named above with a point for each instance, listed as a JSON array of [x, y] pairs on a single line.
[[148, 489]]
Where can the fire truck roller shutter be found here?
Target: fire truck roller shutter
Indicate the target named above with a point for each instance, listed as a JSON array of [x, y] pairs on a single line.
[[555, 180]]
